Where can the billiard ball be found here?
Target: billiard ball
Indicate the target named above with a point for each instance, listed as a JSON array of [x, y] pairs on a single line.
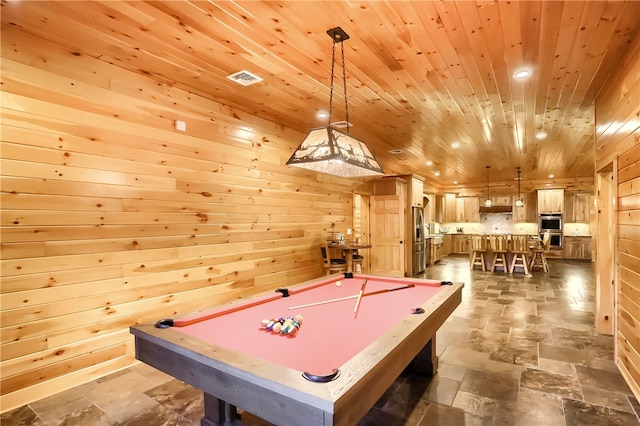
[[338, 283]]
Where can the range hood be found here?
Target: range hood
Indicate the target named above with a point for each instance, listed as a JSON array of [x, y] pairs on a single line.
[[496, 209]]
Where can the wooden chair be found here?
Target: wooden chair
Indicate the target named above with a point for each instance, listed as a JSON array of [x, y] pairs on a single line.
[[357, 261], [478, 249], [520, 250], [499, 246], [538, 258], [332, 265]]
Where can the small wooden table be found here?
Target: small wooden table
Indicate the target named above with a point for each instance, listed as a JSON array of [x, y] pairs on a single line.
[[347, 249]]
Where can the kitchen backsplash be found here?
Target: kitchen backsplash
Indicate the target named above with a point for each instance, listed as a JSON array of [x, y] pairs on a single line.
[[576, 229], [503, 224], [492, 224]]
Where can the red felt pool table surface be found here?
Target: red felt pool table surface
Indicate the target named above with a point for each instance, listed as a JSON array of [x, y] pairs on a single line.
[[330, 334], [236, 363]]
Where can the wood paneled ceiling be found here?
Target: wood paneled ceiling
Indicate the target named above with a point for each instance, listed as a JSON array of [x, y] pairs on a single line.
[[421, 75]]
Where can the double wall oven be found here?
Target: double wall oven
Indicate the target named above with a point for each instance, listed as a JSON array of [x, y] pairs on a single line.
[[552, 223]]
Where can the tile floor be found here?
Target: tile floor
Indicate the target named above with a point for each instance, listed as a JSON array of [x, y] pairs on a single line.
[[518, 351]]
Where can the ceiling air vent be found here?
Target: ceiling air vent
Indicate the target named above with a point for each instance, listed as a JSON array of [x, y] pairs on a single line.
[[244, 77]]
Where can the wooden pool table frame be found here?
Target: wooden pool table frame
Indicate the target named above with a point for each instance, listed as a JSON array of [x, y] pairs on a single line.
[[280, 395]]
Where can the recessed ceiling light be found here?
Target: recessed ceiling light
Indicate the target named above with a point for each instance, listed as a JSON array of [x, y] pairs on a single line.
[[552, 176], [322, 114], [455, 145], [429, 163], [455, 182], [396, 151], [436, 173], [541, 135], [522, 73]]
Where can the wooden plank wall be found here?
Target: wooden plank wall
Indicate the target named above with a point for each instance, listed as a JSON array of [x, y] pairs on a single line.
[[111, 217], [618, 143]]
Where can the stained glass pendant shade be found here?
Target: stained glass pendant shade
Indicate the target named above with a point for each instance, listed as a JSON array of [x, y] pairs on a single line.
[[329, 150]]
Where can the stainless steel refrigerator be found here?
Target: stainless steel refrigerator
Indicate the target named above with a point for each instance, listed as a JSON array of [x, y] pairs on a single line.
[[418, 240]]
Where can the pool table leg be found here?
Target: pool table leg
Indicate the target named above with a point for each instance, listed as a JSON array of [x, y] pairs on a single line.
[[218, 412], [426, 361]]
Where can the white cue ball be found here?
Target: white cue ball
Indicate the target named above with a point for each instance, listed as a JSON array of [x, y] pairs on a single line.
[[338, 283]]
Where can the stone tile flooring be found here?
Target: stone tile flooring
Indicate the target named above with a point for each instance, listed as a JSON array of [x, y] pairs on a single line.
[[520, 350]]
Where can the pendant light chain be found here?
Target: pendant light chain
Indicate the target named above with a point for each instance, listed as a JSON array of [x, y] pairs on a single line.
[[333, 61], [329, 149], [518, 183], [519, 202], [488, 202], [344, 80], [488, 193]]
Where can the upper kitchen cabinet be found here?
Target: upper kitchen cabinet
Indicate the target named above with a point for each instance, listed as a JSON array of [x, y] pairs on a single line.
[[550, 201], [467, 209], [578, 207], [429, 205], [526, 213], [500, 200], [450, 208], [440, 208], [416, 188]]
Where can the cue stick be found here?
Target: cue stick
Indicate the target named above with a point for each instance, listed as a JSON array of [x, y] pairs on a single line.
[[364, 284], [371, 293]]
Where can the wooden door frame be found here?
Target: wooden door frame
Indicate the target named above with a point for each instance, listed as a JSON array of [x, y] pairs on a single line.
[[606, 253], [365, 227]]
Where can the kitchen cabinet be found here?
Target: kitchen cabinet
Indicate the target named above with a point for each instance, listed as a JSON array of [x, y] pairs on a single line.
[[577, 247], [578, 207], [526, 213], [550, 201], [437, 248], [500, 200], [416, 190], [447, 248], [429, 205], [462, 244], [438, 251], [467, 209], [450, 208], [440, 207]]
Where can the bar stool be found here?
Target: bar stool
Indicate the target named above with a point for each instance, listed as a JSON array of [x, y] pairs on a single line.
[[538, 258], [332, 265], [500, 246], [478, 249], [357, 262], [520, 249]]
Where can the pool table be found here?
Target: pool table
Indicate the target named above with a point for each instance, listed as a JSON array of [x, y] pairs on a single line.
[[357, 334]]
